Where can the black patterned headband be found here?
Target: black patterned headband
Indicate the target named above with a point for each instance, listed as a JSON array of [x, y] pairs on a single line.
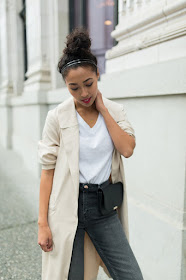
[[78, 61]]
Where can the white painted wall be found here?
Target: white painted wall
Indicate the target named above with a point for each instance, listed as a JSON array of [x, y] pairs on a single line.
[[156, 184]]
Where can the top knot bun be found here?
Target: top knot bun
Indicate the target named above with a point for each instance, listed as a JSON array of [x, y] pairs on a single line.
[[78, 41], [77, 47]]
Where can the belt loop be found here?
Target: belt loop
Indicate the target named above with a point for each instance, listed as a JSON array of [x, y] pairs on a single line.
[[98, 188]]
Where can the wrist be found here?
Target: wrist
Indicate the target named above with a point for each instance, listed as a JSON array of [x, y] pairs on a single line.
[[42, 223], [104, 111]]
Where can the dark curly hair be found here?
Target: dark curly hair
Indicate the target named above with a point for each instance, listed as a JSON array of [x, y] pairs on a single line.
[[77, 47]]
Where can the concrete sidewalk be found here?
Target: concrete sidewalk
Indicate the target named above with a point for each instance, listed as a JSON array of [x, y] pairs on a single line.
[[20, 255]]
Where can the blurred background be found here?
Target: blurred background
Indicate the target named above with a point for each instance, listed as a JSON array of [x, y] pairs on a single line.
[[141, 51]]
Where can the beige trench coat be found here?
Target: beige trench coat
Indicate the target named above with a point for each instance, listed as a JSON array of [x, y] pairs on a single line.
[[59, 149]]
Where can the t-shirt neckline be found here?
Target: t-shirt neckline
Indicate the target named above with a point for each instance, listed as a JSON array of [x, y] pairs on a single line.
[[86, 124]]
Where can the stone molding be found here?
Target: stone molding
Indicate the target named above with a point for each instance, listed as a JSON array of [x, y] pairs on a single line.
[[153, 26]]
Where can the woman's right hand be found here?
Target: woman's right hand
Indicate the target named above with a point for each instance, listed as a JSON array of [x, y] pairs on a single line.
[[45, 238]]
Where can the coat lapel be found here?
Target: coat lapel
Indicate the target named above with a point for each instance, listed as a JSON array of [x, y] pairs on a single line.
[[70, 136]]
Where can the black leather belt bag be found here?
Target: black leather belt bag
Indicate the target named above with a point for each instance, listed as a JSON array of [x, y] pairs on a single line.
[[110, 197]]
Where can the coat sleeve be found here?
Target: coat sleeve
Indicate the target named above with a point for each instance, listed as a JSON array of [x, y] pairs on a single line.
[[48, 146], [125, 124]]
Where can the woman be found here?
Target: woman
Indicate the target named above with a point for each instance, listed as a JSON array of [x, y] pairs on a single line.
[[81, 147]]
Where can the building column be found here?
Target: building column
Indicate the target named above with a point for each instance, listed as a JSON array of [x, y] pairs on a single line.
[[11, 46], [6, 50], [11, 64], [38, 73], [58, 30]]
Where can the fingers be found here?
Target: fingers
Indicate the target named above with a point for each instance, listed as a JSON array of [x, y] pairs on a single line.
[[45, 239], [47, 246], [50, 243]]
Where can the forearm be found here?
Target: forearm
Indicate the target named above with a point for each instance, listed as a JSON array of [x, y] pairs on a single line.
[[123, 142], [45, 191]]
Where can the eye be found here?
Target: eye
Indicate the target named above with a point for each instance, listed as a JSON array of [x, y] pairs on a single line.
[[89, 85], [86, 86]]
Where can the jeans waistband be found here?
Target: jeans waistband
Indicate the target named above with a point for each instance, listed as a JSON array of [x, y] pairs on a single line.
[[92, 187]]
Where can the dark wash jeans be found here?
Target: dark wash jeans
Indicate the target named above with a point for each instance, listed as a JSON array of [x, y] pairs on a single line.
[[108, 237]]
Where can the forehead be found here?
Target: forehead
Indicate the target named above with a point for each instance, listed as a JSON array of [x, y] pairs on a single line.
[[79, 74]]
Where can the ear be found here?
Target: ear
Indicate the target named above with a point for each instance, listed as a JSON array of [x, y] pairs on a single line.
[[98, 75]]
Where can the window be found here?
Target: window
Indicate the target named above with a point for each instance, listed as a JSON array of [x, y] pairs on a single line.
[[100, 17], [23, 17]]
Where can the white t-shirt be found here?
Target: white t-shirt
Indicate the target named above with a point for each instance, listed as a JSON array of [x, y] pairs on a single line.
[[95, 151]]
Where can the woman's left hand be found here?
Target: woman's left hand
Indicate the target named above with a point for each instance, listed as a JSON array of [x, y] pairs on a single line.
[[99, 102]]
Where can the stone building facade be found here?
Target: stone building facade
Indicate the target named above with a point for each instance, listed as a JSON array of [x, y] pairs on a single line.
[[146, 71]]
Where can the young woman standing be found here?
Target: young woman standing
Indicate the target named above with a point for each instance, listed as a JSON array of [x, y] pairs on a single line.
[[81, 147]]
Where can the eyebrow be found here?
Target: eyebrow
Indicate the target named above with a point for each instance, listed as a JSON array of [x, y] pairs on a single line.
[[83, 82]]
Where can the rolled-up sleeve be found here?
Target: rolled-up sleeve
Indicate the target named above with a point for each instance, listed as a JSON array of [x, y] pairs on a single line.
[[125, 124], [48, 146]]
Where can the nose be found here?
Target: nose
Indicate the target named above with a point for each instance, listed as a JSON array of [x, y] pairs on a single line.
[[84, 93]]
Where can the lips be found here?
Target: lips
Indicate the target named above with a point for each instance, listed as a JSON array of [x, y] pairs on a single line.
[[86, 100]]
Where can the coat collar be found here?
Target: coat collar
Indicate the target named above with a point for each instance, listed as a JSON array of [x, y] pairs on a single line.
[[67, 112]]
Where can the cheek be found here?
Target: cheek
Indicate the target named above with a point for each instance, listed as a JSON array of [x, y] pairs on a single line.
[[94, 88], [73, 93]]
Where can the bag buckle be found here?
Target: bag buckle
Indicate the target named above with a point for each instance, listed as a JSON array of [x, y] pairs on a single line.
[[115, 207]]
